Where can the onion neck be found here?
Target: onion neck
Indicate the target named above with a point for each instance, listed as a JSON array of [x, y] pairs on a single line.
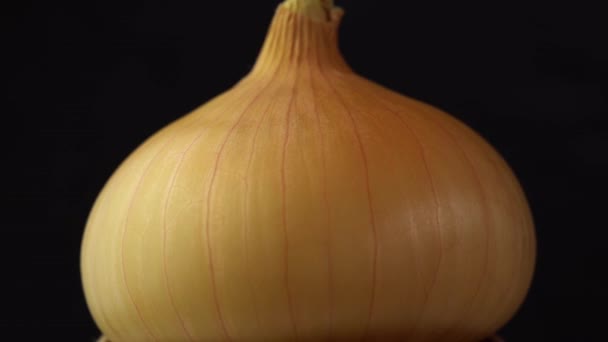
[[317, 10], [302, 32]]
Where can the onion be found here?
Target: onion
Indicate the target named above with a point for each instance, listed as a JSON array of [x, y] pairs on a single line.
[[308, 203]]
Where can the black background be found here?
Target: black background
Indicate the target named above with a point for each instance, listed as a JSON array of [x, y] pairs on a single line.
[[87, 81]]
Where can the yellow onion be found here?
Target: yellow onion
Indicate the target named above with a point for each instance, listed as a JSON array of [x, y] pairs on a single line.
[[308, 203]]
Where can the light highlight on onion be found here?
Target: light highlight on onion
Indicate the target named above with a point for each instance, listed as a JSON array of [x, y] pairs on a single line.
[[308, 203]]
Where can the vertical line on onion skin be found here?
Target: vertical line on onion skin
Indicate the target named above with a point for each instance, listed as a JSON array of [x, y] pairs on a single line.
[[486, 219], [369, 201], [205, 233], [164, 241], [138, 186], [208, 199], [246, 226], [433, 189], [515, 190], [124, 232], [129, 209], [325, 202], [284, 219], [294, 51], [282, 55], [485, 210]]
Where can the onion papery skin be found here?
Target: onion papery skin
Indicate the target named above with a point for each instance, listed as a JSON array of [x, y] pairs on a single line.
[[309, 203]]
